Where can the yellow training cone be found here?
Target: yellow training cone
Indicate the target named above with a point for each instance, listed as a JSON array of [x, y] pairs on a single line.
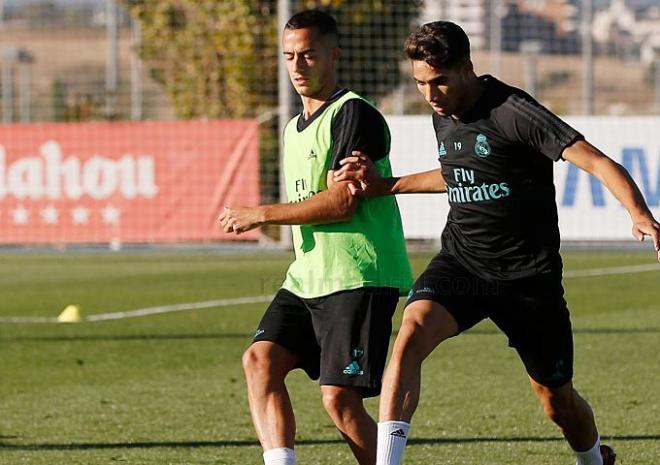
[[71, 314]]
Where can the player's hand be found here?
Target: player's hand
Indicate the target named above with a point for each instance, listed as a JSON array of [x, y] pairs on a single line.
[[360, 169], [240, 219], [648, 227]]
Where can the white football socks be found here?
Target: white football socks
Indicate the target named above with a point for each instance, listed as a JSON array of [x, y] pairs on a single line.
[[591, 456], [392, 438], [280, 456]]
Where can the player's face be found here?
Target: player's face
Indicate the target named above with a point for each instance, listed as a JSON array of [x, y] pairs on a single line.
[[444, 89], [311, 60]]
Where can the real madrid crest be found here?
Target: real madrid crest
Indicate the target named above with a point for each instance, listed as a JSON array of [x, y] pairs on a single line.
[[482, 147]]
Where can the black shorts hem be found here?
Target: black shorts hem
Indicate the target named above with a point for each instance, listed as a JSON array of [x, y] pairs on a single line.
[[551, 384], [365, 390]]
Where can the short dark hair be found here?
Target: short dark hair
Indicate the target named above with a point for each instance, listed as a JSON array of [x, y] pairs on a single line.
[[322, 22], [441, 44]]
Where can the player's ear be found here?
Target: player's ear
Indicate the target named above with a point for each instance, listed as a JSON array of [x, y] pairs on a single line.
[[467, 68], [336, 54]]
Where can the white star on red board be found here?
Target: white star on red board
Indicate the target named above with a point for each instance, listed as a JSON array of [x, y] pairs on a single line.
[[111, 214], [20, 215], [50, 215], [79, 215]]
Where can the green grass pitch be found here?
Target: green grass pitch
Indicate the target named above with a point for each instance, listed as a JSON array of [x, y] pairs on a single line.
[[168, 389]]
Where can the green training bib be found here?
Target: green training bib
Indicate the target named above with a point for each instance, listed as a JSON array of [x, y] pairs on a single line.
[[369, 250]]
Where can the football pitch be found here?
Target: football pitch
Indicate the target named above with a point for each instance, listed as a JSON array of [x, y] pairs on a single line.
[[167, 388]]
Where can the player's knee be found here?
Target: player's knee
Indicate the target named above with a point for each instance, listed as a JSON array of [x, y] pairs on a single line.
[[558, 406], [411, 342], [340, 402], [256, 363]]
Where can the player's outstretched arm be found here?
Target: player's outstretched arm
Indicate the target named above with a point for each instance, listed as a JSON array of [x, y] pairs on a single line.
[[333, 205], [367, 182], [618, 181]]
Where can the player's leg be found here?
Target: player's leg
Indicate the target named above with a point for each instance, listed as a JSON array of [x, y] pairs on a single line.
[[444, 301], [266, 364], [345, 406], [425, 325], [284, 341], [354, 329], [574, 417], [534, 315]]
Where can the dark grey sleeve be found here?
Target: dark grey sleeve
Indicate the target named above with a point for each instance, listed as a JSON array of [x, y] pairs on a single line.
[[526, 122], [358, 126]]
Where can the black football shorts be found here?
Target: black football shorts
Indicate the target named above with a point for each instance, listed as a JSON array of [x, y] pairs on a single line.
[[341, 339], [531, 312]]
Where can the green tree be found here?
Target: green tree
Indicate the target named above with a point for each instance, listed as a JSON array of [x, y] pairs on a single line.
[[215, 58], [219, 58], [371, 36]]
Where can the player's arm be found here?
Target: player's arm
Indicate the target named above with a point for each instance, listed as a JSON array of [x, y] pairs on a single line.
[[618, 181], [356, 125], [332, 205], [365, 180]]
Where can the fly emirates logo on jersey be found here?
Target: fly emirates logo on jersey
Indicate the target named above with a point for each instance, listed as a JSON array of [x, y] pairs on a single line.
[[468, 190], [302, 191]]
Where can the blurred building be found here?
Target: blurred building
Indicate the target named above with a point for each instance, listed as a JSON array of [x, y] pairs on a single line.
[[628, 32], [553, 23], [471, 15], [564, 14]]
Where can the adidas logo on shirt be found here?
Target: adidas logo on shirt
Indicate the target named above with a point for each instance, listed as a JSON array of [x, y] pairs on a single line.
[[399, 433], [442, 152]]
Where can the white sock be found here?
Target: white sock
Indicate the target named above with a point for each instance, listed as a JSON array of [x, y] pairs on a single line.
[[591, 456], [280, 456], [392, 438]]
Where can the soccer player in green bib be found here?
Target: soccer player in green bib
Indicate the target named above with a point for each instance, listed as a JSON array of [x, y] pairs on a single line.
[[332, 316]]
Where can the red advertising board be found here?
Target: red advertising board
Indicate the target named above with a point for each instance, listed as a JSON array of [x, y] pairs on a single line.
[[126, 181]]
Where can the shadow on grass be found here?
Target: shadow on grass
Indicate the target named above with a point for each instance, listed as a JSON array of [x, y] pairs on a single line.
[[247, 336], [254, 443]]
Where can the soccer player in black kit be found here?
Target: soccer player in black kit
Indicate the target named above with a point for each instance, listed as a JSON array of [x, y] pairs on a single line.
[[500, 247]]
